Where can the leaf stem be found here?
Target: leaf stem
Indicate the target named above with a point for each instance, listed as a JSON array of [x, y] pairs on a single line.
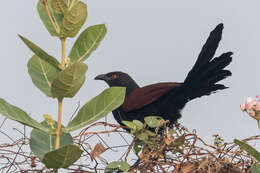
[[50, 17], [63, 47], [72, 3], [57, 143]]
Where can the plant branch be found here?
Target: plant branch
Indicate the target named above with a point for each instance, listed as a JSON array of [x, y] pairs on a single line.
[[57, 143], [63, 47]]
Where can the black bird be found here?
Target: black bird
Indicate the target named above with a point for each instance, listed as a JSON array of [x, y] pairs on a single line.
[[168, 99]]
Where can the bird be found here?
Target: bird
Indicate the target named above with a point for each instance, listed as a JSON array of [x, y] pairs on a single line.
[[167, 99]]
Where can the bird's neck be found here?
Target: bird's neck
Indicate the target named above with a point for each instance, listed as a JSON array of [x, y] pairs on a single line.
[[131, 87]]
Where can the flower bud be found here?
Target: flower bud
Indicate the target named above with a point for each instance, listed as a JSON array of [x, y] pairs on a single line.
[[243, 107]]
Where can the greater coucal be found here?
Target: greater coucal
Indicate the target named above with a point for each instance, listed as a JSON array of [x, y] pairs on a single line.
[[168, 99]]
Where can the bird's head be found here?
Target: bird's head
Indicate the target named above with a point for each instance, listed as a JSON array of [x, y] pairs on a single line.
[[118, 78], [115, 78]]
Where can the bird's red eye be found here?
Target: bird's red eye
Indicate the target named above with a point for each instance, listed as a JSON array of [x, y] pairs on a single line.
[[113, 76]]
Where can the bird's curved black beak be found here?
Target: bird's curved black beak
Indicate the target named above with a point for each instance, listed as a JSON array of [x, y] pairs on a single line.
[[102, 77]]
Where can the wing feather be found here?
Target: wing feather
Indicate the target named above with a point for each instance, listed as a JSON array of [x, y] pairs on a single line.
[[141, 97]]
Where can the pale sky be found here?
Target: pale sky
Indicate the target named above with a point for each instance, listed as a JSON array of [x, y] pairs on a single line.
[[153, 41]]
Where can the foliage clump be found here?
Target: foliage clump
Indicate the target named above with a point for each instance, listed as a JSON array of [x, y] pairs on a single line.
[[51, 141]]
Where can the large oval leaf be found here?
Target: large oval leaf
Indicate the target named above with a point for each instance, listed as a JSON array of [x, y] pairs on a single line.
[[71, 3], [59, 6], [98, 107], [40, 53], [62, 157], [69, 81], [153, 121], [42, 142], [54, 26], [17, 114], [87, 42], [42, 74], [73, 20]]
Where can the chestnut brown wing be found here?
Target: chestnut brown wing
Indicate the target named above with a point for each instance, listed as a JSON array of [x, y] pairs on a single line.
[[141, 97]]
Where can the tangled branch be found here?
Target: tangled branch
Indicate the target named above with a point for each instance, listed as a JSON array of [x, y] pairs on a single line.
[[177, 150]]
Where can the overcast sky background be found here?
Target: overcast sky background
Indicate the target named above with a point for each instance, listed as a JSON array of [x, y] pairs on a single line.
[[153, 41]]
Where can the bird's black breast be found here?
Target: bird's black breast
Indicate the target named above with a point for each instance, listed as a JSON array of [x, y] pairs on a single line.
[[166, 104]]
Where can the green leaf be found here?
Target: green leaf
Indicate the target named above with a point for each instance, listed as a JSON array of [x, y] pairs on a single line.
[[73, 20], [59, 6], [138, 146], [98, 107], [250, 150], [138, 124], [62, 157], [142, 136], [17, 114], [153, 121], [87, 42], [42, 74], [179, 141], [69, 81], [40, 53], [49, 120], [71, 3], [149, 133], [117, 167], [42, 142], [53, 30], [129, 124], [255, 168]]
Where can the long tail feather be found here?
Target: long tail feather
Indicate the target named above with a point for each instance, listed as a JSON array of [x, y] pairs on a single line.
[[207, 71]]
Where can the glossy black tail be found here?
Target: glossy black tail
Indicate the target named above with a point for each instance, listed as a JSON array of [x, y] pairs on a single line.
[[204, 76]]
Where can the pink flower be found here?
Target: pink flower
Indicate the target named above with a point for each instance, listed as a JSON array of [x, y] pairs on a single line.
[[257, 107], [252, 107], [243, 107], [249, 99], [250, 103], [249, 106]]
